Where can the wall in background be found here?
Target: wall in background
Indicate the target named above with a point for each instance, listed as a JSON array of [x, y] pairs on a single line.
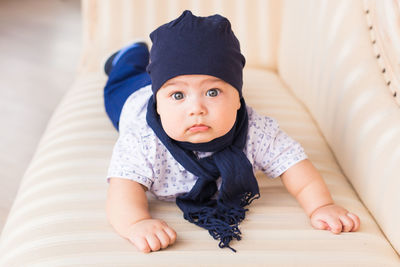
[[40, 45]]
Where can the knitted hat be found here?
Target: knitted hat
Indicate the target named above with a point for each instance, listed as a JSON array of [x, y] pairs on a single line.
[[196, 45]]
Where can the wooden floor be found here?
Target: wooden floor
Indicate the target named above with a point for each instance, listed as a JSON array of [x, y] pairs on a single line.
[[40, 43]]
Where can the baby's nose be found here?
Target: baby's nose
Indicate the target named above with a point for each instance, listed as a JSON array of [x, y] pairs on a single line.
[[197, 107]]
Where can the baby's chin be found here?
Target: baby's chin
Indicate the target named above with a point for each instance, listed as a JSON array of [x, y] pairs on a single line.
[[197, 138]]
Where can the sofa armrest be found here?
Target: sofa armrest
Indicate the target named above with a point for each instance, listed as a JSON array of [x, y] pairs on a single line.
[[334, 69]]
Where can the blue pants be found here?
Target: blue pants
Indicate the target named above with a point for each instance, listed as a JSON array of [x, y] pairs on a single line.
[[126, 76]]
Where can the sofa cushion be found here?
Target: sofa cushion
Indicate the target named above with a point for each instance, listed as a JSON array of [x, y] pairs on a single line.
[[59, 218]]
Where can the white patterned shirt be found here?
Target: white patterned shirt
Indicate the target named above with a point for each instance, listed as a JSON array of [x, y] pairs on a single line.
[[139, 155]]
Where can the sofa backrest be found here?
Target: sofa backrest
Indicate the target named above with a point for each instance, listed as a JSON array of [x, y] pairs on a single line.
[[114, 23], [330, 56]]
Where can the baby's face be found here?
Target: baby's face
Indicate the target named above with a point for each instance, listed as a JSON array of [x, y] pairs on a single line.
[[197, 108]]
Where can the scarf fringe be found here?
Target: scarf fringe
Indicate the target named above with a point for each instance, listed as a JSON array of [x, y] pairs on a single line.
[[222, 222], [248, 198]]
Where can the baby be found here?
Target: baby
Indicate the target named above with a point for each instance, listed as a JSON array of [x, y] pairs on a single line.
[[186, 135]]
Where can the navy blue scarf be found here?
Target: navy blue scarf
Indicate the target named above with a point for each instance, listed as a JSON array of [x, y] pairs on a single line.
[[220, 216]]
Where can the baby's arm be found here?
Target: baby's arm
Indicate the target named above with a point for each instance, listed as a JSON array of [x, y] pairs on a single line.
[[128, 213], [305, 183]]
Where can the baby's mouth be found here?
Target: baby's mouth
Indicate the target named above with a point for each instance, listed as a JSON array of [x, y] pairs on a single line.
[[198, 128]]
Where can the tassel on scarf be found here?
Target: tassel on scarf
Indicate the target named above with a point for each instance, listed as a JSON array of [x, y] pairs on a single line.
[[222, 224], [221, 221]]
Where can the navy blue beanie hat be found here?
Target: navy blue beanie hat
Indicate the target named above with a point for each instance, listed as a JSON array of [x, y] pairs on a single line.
[[196, 45]]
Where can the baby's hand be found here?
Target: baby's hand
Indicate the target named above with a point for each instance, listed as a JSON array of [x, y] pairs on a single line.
[[151, 235], [335, 219]]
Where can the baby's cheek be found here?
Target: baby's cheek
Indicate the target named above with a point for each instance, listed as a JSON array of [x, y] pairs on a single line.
[[173, 129], [226, 123]]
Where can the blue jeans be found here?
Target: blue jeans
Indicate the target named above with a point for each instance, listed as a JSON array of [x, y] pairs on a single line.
[[126, 77]]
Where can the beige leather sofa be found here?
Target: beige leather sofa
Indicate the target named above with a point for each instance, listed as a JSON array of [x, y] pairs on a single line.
[[328, 70]]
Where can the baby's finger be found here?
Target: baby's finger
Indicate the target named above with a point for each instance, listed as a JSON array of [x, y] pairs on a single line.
[[163, 238], [319, 224], [347, 223], [171, 234], [335, 225], [356, 221], [153, 242], [141, 244]]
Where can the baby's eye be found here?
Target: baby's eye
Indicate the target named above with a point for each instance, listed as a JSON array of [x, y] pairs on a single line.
[[177, 95], [213, 92]]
